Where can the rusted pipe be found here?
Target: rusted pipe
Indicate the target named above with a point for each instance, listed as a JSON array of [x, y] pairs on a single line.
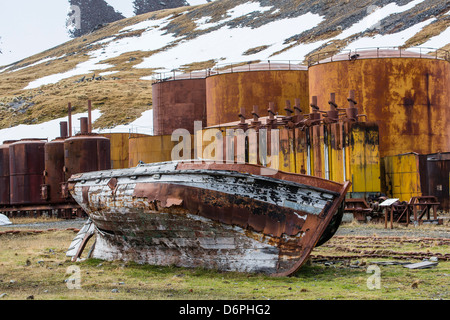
[[63, 129], [242, 124], [297, 109], [333, 114], [255, 122], [89, 116], [352, 111], [270, 122], [70, 119], [84, 127]]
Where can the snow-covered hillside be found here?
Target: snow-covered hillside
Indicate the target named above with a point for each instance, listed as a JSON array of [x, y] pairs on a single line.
[[227, 45], [221, 33]]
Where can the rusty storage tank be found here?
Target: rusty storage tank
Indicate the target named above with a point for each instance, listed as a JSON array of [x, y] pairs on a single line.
[[4, 172], [54, 167], [178, 102], [406, 92], [438, 178], [86, 152], [228, 91], [26, 166]]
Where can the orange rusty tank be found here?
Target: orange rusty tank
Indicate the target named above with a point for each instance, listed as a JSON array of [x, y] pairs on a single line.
[[259, 84], [406, 93]]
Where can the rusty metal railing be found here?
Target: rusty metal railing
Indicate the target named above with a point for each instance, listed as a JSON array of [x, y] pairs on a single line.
[[245, 66], [378, 52]]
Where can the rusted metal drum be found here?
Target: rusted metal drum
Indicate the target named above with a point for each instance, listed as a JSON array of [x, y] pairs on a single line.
[[54, 171], [54, 167], [85, 153], [4, 172], [438, 178], [177, 104], [243, 87], [26, 165], [407, 94]]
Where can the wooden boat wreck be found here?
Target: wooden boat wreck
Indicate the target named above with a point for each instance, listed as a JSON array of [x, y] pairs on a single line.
[[200, 214]]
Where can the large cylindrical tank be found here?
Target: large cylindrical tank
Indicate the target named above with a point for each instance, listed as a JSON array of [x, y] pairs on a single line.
[[86, 152], [406, 93], [258, 84], [177, 104], [4, 172], [26, 166]]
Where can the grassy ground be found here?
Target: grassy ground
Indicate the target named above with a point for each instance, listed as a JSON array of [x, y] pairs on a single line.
[[34, 266]]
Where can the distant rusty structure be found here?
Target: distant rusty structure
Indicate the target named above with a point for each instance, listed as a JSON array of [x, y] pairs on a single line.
[[231, 88], [178, 102]]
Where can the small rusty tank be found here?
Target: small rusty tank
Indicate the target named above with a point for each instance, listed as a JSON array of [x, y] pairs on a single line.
[[85, 152], [54, 167], [26, 165], [227, 91], [178, 102], [4, 172]]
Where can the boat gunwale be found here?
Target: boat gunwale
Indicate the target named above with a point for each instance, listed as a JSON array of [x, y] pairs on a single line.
[[331, 187]]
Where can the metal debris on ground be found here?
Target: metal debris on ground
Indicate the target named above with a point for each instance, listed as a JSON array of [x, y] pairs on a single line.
[[421, 265]]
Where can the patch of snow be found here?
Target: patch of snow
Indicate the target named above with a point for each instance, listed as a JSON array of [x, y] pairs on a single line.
[[152, 39], [48, 130], [124, 7], [236, 12], [147, 25], [51, 129], [196, 2], [82, 68], [4, 221], [107, 73], [245, 9], [37, 63], [143, 124], [389, 40], [439, 40], [376, 14], [214, 45]]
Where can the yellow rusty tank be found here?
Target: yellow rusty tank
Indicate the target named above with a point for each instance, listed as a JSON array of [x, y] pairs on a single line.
[[406, 93], [401, 175], [151, 149], [257, 84], [120, 148]]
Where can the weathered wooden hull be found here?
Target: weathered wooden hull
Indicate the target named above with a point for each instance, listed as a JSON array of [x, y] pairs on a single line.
[[226, 217]]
